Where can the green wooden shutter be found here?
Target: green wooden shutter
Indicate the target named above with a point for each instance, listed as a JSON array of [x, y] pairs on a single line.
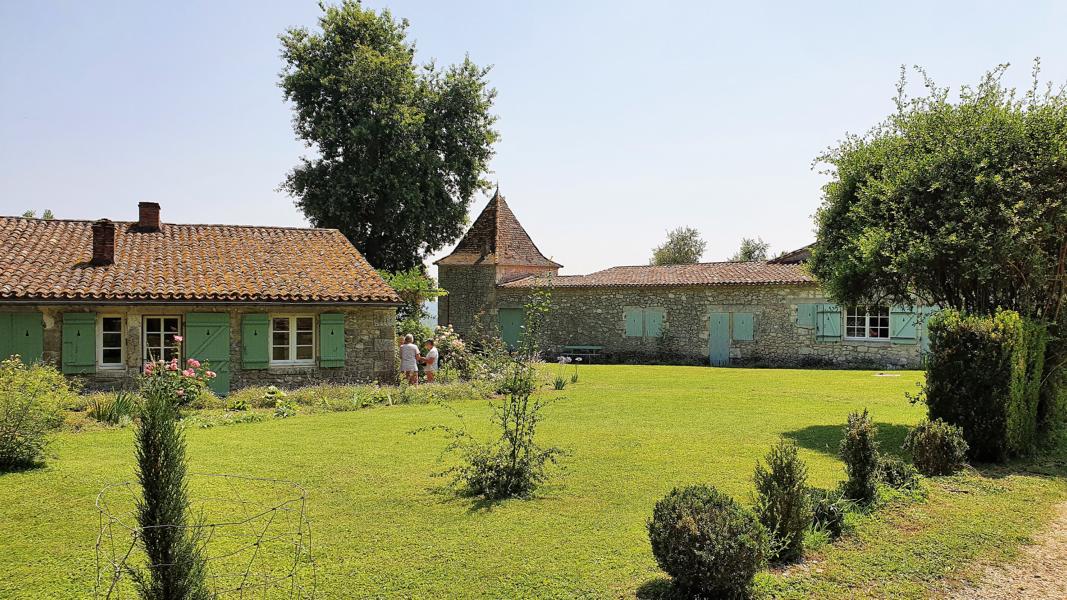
[[654, 318], [6, 337], [27, 336], [806, 315], [828, 323], [331, 340], [635, 321], [207, 339], [79, 343], [924, 331], [255, 341], [743, 326], [902, 325], [511, 322]]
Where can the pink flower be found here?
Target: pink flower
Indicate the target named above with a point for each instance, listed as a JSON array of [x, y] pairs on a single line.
[[148, 368], [178, 338], [172, 365], [189, 373], [210, 374], [193, 363]]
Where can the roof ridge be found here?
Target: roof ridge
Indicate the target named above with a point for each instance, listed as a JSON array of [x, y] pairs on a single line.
[[697, 264], [166, 224]]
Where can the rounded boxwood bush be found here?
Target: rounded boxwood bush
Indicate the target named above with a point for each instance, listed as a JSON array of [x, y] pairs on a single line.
[[937, 448], [708, 543]]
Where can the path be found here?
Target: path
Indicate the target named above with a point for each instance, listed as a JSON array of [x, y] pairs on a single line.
[[1039, 574]]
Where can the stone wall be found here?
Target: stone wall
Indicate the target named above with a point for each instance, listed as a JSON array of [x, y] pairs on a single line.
[[370, 342], [471, 289], [595, 317]]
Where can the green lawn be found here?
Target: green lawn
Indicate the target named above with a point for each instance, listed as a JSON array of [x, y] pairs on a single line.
[[383, 527]]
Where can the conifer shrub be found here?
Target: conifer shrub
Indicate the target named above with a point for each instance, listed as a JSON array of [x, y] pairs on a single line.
[[782, 501], [984, 374], [709, 544], [897, 474], [937, 447], [859, 450]]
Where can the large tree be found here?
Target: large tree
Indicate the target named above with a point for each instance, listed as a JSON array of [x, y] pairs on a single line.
[[959, 202], [400, 149], [683, 246]]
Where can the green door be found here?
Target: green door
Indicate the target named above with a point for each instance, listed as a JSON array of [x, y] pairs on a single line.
[[510, 326], [207, 339], [719, 339]]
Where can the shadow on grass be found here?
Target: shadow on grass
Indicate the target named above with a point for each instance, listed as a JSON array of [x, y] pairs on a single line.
[[660, 588], [827, 438], [22, 467]]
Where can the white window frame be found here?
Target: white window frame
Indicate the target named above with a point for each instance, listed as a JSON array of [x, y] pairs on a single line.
[[293, 361], [144, 336], [854, 311], [100, 364]]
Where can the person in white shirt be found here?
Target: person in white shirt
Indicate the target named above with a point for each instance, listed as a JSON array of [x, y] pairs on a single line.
[[409, 359], [429, 362]]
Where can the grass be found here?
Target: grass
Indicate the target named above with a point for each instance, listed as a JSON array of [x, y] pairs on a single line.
[[385, 527]]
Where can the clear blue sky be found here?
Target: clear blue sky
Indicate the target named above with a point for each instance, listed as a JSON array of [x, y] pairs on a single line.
[[619, 120]]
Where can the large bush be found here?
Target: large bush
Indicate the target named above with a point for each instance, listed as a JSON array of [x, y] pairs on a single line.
[[937, 448], [984, 375], [859, 450], [782, 502], [707, 542], [31, 398]]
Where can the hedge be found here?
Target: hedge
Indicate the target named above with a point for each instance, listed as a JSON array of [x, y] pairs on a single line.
[[984, 375]]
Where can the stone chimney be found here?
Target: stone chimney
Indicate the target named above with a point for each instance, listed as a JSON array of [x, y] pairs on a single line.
[[148, 216], [103, 243]]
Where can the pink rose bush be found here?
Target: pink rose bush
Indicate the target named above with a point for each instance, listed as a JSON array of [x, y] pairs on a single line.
[[168, 378]]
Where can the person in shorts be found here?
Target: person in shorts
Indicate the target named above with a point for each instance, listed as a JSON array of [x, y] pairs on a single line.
[[409, 359], [430, 361]]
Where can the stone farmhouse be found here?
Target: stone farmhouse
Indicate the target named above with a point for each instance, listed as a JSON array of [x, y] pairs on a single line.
[[261, 305], [761, 312]]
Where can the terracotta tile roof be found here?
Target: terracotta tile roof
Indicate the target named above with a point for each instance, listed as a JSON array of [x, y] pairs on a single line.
[[702, 274], [49, 260], [796, 256], [497, 238]]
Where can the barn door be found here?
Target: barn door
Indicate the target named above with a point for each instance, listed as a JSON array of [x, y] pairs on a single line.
[[207, 339], [719, 339], [510, 326]]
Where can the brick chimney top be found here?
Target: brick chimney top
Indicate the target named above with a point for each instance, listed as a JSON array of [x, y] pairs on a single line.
[[147, 216], [103, 243]]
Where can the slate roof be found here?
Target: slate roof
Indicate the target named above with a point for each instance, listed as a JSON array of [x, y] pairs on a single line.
[[497, 238], [49, 260], [701, 274]]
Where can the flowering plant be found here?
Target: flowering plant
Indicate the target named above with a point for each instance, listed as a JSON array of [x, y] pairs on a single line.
[[180, 383]]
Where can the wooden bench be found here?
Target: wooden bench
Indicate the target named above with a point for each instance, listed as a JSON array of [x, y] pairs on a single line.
[[586, 353]]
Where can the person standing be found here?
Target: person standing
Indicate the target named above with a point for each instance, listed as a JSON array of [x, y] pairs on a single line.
[[409, 359], [429, 362]]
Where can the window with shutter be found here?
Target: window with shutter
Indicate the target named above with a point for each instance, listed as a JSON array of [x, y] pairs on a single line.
[[634, 317], [743, 326], [828, 323], [806, 314], [22, 334], [654, 318], [902, 325]]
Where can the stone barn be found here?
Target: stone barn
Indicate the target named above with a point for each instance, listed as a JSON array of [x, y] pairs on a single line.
[[757, 313]]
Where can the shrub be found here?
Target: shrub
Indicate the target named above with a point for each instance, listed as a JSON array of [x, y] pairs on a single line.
[[31, 397], [984, 375], [897, 474], [113, 409], [559, 383], [782, 503], [707, 542], [859, 450], [284, 408], [828, 508], [937, 447], [238, 404]]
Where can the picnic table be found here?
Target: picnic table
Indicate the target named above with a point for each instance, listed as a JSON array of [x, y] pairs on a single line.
[[586, 353]]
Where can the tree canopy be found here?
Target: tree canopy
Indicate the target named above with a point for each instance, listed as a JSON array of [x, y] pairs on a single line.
[[400, 149], [752, 249], [956, 202], [683, 246]]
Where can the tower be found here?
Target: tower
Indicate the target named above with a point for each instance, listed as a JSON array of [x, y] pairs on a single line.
[[496, 249]]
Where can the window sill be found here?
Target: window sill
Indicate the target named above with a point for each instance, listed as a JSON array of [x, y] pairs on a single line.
[[872, 341]]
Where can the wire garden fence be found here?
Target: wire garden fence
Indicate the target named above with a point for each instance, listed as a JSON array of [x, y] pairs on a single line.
[[255, 530]]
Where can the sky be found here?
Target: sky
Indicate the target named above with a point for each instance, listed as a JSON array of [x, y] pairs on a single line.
[[618, 120]]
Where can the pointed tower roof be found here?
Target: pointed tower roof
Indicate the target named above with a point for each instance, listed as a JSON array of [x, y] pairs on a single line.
[[497, 238]]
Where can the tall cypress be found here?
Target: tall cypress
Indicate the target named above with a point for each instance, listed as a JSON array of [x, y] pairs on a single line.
[[177, 565]]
